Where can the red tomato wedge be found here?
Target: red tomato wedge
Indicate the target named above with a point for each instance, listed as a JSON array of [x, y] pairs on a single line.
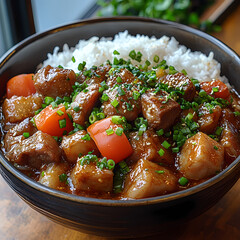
[[54, 121], [21, 85], [111, 146], [216, 88]]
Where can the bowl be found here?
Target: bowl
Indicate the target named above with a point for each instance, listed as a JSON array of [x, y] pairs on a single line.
[[117, 218]]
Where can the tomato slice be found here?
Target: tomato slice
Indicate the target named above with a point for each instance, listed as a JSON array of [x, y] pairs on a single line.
[[111, 146], [21, 85], [216, 88], [54, 121]]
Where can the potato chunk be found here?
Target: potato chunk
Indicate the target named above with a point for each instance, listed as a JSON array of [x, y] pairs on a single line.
[[50, 176], [148, 179], [73, 145], [91, 178], [36, 150], [160, 111], [54, 82], [147, 147], [16, 109], [84, 102], [201, 157]]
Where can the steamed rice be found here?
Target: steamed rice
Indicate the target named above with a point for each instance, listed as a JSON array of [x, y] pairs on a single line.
[[97, 51]]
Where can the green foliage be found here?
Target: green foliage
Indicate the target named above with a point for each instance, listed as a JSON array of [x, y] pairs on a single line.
[[182, 11]]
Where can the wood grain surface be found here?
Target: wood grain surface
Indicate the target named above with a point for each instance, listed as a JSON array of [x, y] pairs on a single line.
[[19, 222]]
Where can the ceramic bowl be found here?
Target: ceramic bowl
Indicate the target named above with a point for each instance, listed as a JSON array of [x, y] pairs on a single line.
[[115, 218]]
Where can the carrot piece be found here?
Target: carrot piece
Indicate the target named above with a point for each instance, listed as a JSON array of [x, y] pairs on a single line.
[[216, 88], [111, 145], [54, 121], [21, 85]]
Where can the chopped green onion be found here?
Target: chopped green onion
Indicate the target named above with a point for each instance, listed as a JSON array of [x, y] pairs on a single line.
[[115, 103], [161, 152], [117, 119], [63, 177], [218, 131], [48, 100], [110, 164], [136, 95], [215, 147], [160, 171], [62, 123], [115, 52], [54, 105], [81, 66], [175, 150], [165, 144], [142, 129], [132, 54], [60, 112], [26, 134], [104, 97], [76, 109], [237, 113], [119, 131], [160, 132], [109, 131], [183, 181], [118, 79], [156, 59], [73, 59], [86, 137]]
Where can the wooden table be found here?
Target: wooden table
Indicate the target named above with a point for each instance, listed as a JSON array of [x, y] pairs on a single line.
[[19, 222]]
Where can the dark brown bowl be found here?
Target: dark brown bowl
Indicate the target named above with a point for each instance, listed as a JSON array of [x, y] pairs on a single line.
[[112, 218]]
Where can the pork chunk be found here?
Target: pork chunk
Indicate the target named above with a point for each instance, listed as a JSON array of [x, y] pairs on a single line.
[[147, 147], [50, 176], [16, 109], [84, 103], [209, 118], [91, 178], [159, 111], [148, 179], [36, 150], [15, 134], [179, 80], [54, 82], [124, 76], [201, 157], [230, 137], [73, 146], [120, 102]]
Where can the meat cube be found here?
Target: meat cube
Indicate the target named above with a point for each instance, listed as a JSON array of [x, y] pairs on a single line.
[[89, 177], [182, 82], [159, 110], [15, 134], [54, 82], [209, 118], [50, 176], [230, 138], [121, 102], [148, 179], [124, 76], [36, 150], [147, 147], [73, 146], [16, 109], [83, 104], [201, 157]]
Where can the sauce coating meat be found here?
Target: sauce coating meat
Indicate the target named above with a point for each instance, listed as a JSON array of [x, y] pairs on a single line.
[[119, 131]]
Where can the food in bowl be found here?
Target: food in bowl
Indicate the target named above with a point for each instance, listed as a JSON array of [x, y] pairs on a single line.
[[128, 118]]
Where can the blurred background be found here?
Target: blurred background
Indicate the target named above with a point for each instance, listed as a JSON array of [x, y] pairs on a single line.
[[22, 18]]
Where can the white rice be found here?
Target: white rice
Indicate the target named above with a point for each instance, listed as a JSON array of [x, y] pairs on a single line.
[[97, 51]]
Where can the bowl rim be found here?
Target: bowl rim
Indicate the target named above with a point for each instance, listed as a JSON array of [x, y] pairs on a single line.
[[108, 202]]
